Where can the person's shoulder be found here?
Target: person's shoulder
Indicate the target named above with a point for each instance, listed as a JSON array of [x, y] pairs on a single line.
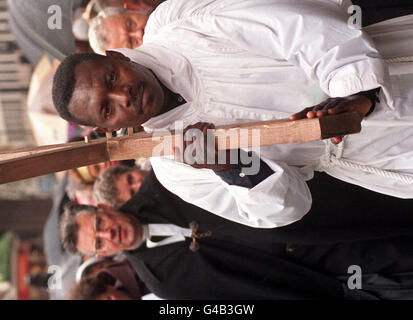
[[164, 14], [152, 188], [145, 195], [149, 182], [172, 11]]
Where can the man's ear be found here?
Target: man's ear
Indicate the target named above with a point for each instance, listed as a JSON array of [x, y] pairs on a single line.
[[116, 55]]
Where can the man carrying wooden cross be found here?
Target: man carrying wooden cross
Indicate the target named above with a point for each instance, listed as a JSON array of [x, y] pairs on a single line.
[[237, 62]]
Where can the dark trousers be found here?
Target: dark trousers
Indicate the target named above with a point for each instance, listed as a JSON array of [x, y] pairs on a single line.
[[343, 212], [374, 11]]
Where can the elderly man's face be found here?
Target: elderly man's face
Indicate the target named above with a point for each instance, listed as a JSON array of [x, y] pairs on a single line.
[[125, 30], [128, 184], [107, 232], [112, 92]]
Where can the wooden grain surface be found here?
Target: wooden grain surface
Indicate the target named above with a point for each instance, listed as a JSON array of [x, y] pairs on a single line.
[[41, 162], [26, 163], [244, 135]]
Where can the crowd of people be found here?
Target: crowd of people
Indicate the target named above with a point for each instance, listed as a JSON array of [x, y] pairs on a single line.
[[196, 230]]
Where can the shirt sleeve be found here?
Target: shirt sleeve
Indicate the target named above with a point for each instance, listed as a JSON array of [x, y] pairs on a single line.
[[280, 199], [237, 176], [314, 35], [311, 34]]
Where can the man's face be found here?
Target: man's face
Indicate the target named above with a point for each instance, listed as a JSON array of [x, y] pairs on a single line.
[[111, 92], [125, 30], [128, 184], [107, 232]]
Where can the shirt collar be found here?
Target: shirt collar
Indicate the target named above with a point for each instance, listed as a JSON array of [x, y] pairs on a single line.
[[179, 116]]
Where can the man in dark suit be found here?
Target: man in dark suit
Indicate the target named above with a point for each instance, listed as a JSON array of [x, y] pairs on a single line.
[[375, 11], [220, 259]]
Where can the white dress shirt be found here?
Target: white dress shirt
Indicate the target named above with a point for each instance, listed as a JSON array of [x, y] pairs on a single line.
[[259, 60]]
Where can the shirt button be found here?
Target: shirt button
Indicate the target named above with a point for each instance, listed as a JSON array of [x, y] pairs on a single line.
[[290, 248], [242, 174]]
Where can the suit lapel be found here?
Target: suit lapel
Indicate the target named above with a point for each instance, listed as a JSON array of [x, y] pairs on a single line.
[[142, 270]]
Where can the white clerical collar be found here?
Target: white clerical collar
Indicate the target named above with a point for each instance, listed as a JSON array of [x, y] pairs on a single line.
[[167, 229], [172, 233], [145, 235], [175, 119]]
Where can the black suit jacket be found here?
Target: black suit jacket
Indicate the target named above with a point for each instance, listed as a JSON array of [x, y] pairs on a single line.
[[374, 11], [239, 262]]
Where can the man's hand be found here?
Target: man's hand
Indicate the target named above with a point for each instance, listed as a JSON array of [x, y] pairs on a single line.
[[197, 151], [355, 103]]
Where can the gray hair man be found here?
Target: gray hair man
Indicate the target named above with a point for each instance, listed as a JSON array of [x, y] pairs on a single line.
[[117, 185], [99, 231], [117, 27], [69, 229]]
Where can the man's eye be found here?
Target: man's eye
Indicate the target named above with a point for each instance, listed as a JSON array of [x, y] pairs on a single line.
[[99, 224], [128, 24], [98, 244], [112, 77], [106, 111], [130, 179], [131, 43]]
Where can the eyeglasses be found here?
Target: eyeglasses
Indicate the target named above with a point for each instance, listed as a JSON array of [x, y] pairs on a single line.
[[98, 240]]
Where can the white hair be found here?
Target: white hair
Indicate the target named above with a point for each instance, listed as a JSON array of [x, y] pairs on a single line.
[[97, 30]]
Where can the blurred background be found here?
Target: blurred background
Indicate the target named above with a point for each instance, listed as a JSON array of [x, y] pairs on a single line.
[[35, 35], [27, 119]]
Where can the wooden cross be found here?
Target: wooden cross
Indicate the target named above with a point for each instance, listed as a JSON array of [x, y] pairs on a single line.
[[27, 163]]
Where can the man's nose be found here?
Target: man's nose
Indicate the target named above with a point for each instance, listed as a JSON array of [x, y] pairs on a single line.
[[137, 34], [120, 96], [106, 234]]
